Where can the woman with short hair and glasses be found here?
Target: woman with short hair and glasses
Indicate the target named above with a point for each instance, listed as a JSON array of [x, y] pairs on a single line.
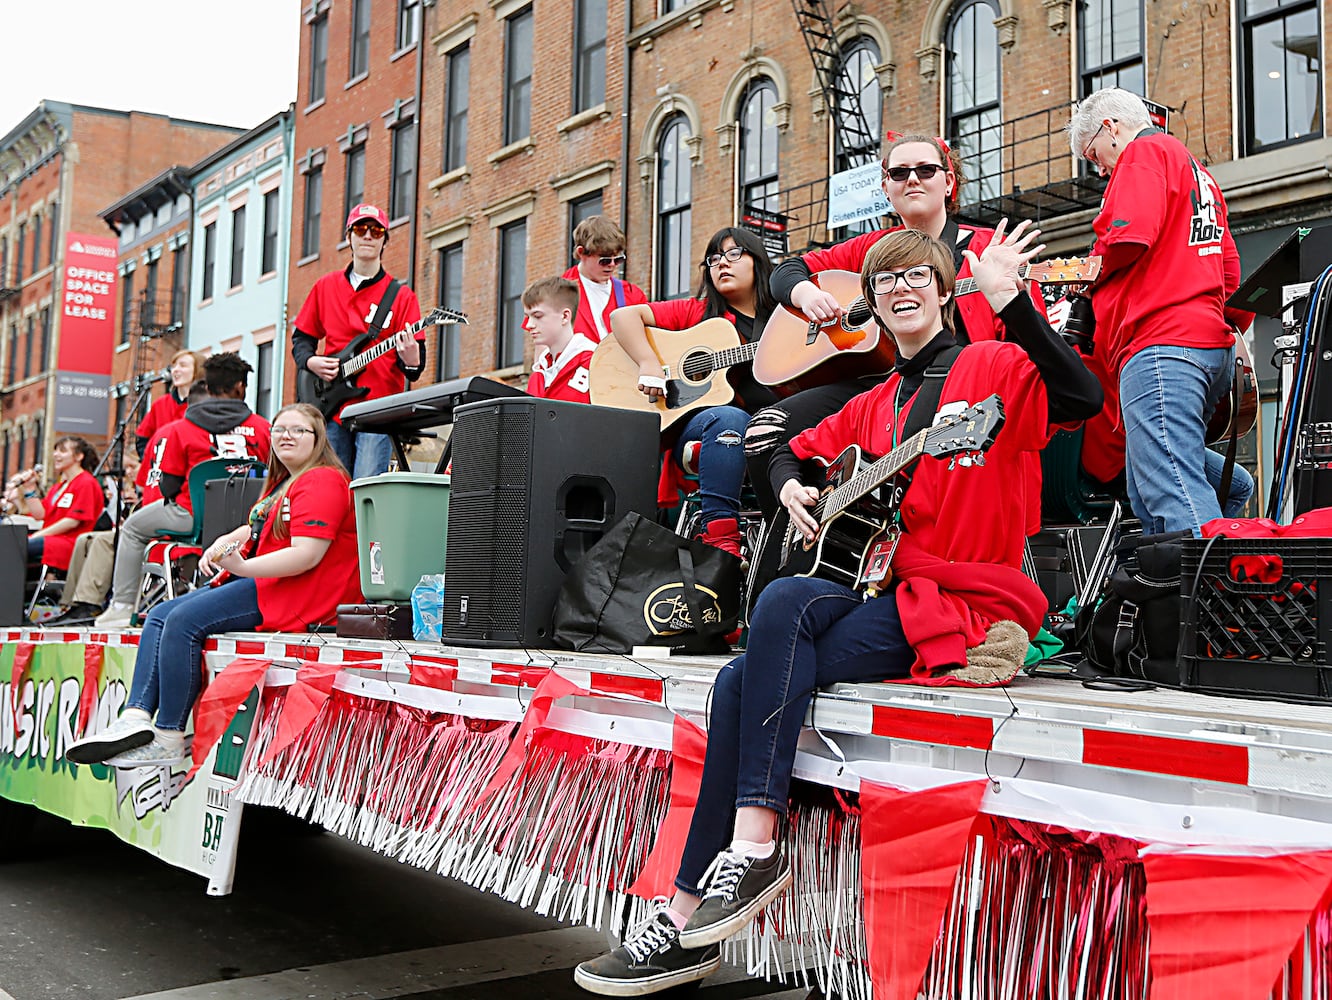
[[735, 271], [289, 566], [957, 585]]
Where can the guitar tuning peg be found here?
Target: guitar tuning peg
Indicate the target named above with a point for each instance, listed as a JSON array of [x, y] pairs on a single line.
[[952, 463], [978, 458]]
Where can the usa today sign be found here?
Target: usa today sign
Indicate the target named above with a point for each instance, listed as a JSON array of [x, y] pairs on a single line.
[[856, 194]]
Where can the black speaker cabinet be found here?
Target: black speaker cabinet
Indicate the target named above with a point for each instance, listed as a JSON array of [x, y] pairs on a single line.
[[13, 572], [535, 484]]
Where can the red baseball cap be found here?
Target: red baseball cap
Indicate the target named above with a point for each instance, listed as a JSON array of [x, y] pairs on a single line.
[[367, 211]]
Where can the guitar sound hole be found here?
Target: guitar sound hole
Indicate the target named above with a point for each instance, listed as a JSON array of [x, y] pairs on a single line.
[[696, 366]]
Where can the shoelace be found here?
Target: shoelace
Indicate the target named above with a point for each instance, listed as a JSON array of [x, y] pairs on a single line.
[[724, 874], [648, 936]]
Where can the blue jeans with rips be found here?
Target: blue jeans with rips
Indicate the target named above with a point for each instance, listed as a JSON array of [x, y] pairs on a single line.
[[805, 634], [168, 671], [720, 431], [1167, 394], [363, 454]]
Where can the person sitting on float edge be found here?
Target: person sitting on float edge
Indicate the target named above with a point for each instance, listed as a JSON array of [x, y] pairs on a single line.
[[70, 508], [963, 532], [733, 286], [563, 356], [291, 566]]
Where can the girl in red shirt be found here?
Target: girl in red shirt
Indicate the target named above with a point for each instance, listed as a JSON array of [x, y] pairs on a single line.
[[71, 506], [734, 287], [300, 563], [186, 367]]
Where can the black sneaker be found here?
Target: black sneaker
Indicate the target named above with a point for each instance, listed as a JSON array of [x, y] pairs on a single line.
[[649, 959], [122, 735], [736, 887], [77, 614]]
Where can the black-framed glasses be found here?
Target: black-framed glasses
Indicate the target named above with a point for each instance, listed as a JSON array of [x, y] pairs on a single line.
[[1086, 150], [372, 229], [924, 171], [295, 433], [918, 276], [615, 261], [715, 259]]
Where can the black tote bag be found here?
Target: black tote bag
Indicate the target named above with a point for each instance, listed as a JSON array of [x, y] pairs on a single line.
[[644, 585]]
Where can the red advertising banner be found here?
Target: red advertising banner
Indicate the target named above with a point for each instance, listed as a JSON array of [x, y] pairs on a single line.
[[88, 304]]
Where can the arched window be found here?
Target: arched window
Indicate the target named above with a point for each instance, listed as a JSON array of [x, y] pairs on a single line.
[[674, 198], [973, 97], [856, 75], [758, 146]]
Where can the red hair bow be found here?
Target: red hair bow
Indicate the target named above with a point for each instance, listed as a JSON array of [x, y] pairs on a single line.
[[891, 136]]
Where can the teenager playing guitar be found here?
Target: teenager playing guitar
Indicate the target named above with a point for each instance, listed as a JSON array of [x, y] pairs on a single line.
[[958, 584], [734, 286]]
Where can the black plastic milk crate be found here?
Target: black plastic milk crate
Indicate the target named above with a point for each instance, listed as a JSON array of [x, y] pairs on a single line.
[[1257, 622]]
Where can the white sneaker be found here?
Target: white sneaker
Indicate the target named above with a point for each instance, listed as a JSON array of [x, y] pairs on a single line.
[[125, 733], [154, 754], [115, 616]]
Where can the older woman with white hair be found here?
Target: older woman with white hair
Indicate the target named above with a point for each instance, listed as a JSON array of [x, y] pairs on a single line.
[[1163, 333]]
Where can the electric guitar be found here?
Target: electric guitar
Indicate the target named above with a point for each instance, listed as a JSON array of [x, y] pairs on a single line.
[[1245, 414], [793, 345], [850, 524], [328, 397], [693, 362]]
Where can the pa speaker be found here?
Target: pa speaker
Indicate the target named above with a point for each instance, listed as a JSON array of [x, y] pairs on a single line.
[[536, 483], [13, 572]]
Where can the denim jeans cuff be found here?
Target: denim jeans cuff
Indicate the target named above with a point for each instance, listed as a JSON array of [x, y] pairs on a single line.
[[779, 806], [684, 886]]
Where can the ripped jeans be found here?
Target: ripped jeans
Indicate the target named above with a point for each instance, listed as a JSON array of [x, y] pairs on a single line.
[[720, 431]]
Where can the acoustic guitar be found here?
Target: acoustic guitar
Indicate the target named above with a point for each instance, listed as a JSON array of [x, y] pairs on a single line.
[[793, 346], [693, 362], [1244, 415]]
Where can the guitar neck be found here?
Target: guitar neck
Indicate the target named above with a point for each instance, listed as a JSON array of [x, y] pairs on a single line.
[[355, 363], [965, 286], [729, 356], [874, 475]]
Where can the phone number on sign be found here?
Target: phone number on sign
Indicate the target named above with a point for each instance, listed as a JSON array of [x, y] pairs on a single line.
[[90, 391]]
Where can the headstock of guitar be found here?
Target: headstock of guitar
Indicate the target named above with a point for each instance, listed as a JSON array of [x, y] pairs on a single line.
[[969, 433], [1065, 270]]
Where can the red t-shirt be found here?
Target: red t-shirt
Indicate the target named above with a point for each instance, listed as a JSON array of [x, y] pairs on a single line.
[[188, 444], [165, 409], [82, 499], [1161, 198], [317, 505], [565, 377], [149, 479], [584, 322], [337, 314]]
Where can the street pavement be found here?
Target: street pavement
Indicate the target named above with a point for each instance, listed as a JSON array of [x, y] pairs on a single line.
[[311, 917]]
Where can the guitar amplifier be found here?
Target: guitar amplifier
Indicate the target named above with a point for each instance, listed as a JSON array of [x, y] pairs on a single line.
[[13, 572], [227, 504]]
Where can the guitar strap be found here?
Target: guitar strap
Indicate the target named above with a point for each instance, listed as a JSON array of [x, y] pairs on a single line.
[[617, 287], [924, 405], [957, 239], [1232, 448], [383, 309]]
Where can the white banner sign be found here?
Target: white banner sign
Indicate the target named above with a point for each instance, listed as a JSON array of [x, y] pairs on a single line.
[[856, 194]]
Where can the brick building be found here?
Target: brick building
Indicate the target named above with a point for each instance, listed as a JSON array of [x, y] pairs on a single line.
[[59, 168], [355, 137]]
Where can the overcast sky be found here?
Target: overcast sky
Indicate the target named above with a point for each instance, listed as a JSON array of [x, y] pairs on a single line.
[[232, 63]]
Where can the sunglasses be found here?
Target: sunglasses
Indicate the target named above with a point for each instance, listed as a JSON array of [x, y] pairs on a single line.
[[733, 254], [924, 171], [615, 261], [372, 229], [883, 282]]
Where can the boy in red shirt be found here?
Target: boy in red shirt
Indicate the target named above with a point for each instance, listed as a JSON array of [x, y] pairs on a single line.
[[599, 247], [563, 356], [222, 426]]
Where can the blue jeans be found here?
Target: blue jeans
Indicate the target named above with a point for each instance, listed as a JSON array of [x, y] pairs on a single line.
[[168, 671], [1167, 394], [805, 634], [720, 431], [363, 454]]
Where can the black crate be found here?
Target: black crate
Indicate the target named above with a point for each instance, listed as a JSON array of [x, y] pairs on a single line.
[[1263, 636]]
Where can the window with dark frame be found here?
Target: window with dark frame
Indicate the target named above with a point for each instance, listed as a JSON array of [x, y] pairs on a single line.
[[402, 184], [27, 347], [456, 102], [518, 76], [209, 260], [312, 212], [4, 261], [674, 200], [318, 58], [180, 284], [13, 353], [126, 306], [150, 290], [857, 74], [448, 359], [409, 23], [581, 208], [1110, 34], [263, 381], [1282, 73], [43, 359], [589, 54], [353, 192], [36, 243], [4, 457], [237, 247], [53, 217], [359, 62], [268, 255], [758, 146], [667, 6], [972, 96], [512, 281], [18, 253]]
